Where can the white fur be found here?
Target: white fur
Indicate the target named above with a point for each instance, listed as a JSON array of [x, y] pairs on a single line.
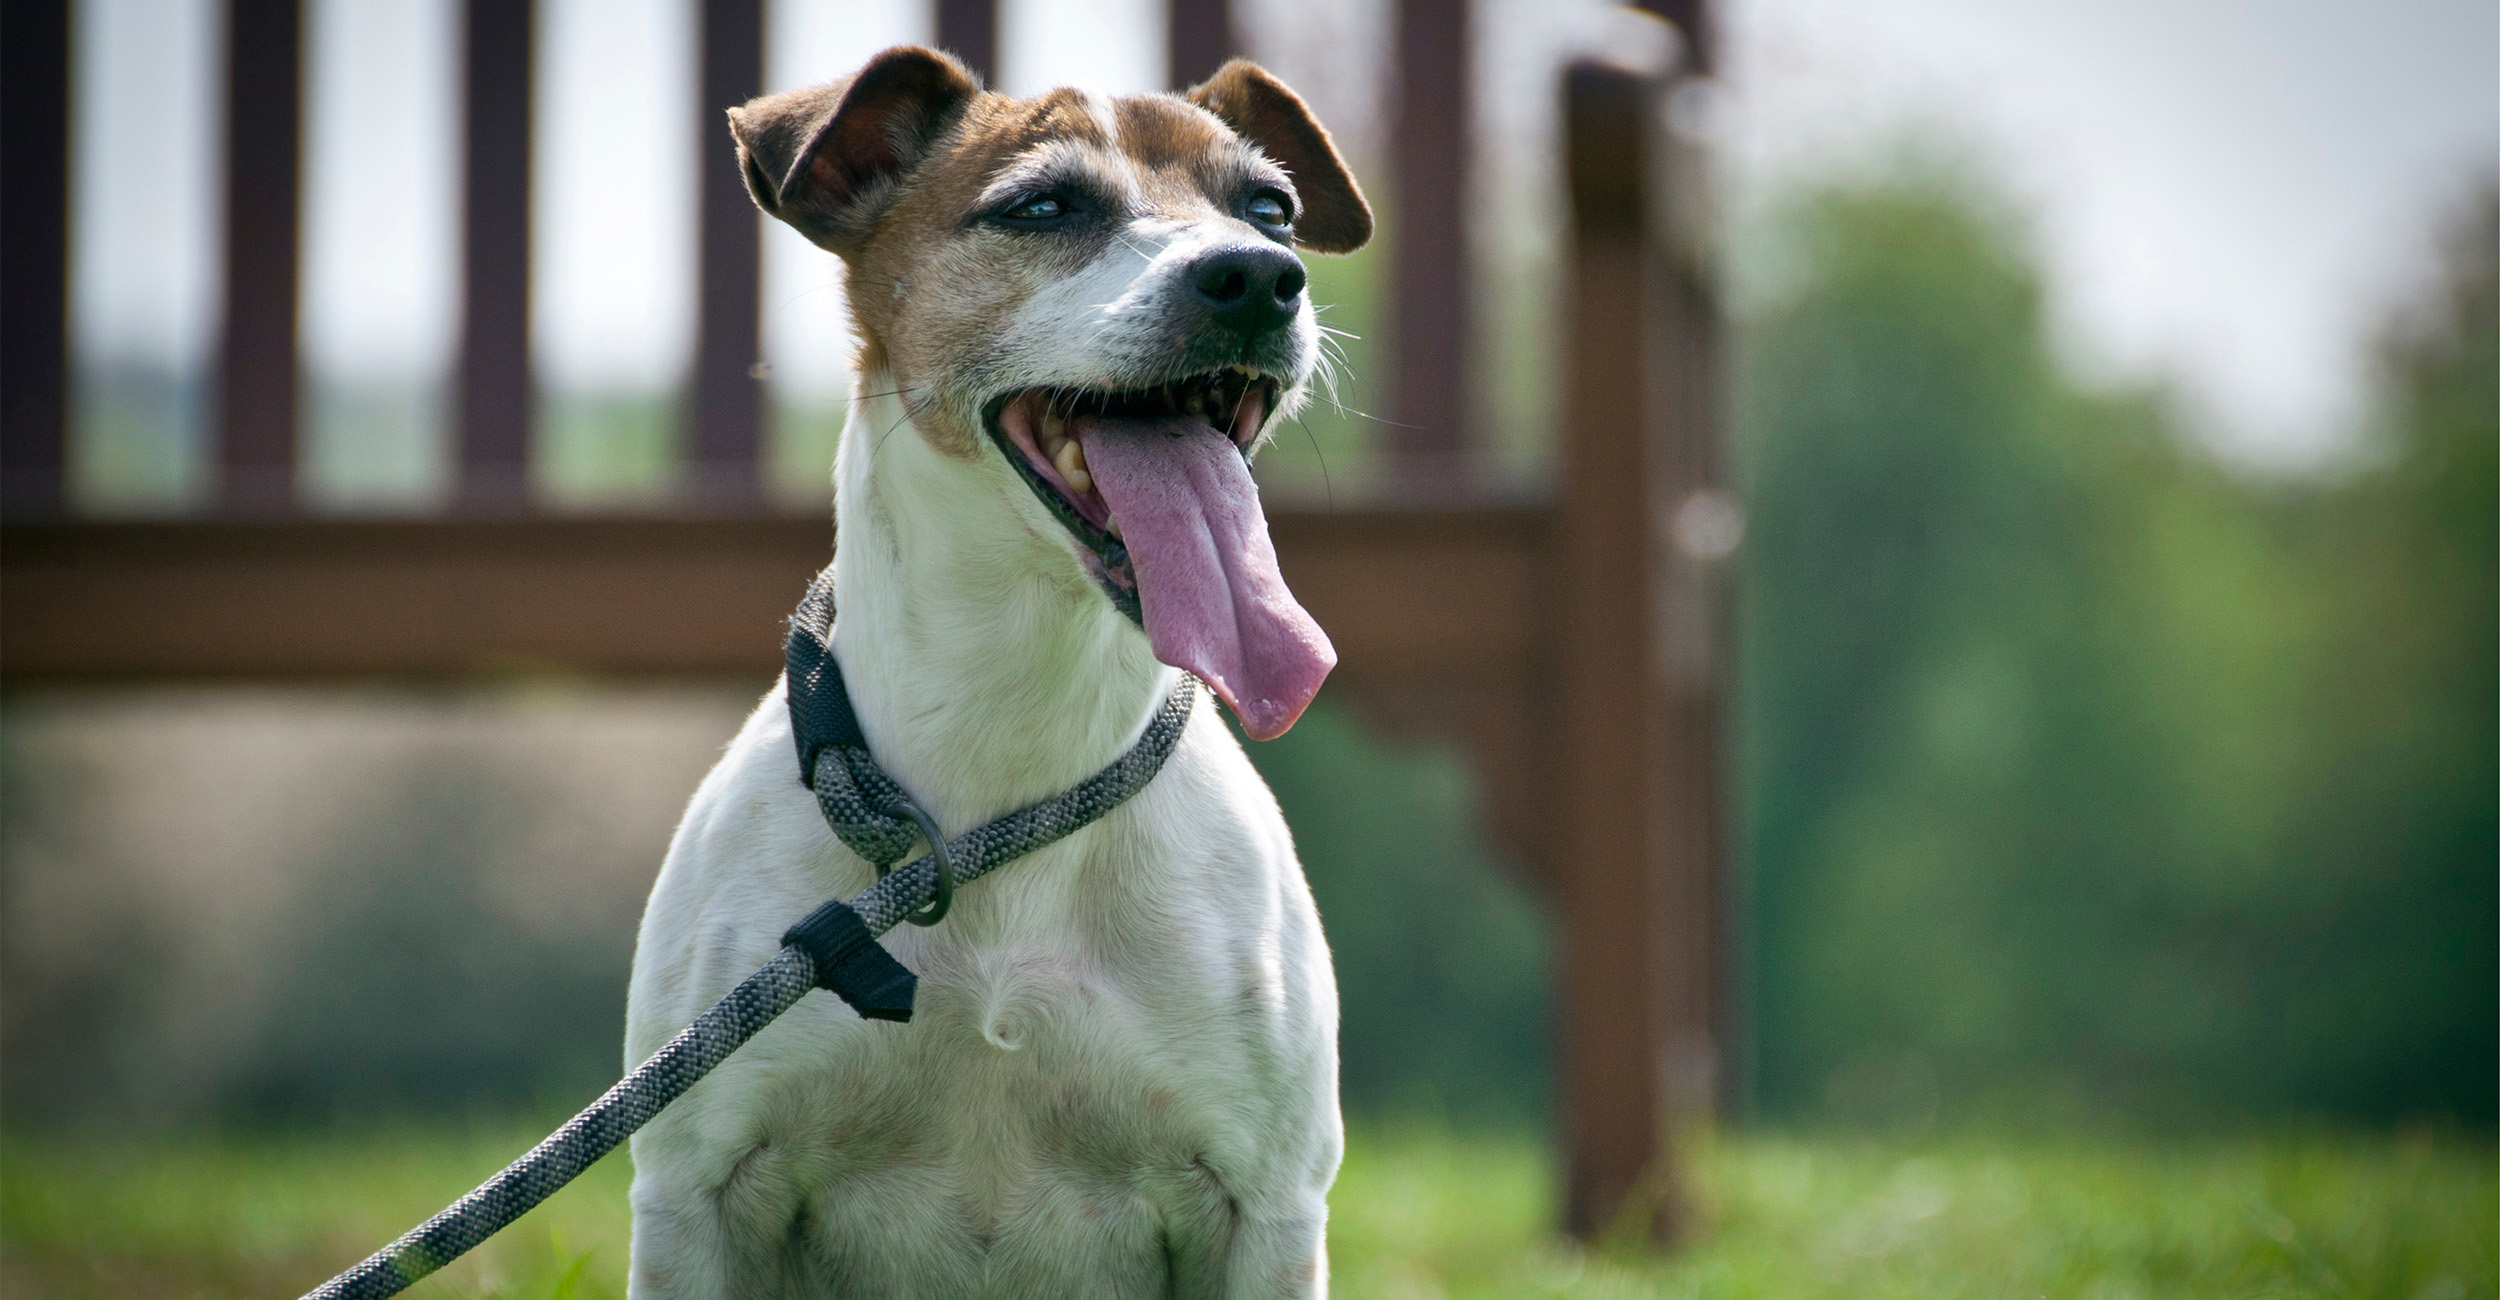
[[1109, 322], [1121, 1080]]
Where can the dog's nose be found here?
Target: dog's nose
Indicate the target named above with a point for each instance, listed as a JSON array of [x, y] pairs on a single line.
[[1252, 290]]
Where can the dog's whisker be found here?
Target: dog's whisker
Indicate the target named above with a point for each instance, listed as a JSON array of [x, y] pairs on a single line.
[[1360, 414], [1330, 364], [899, 422], [1326, 485], [810, 291]]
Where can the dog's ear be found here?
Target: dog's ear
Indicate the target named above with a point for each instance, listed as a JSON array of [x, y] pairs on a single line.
[[828, 159], [1263, 111]]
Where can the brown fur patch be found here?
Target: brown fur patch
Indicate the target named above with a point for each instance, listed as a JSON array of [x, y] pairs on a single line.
[[825, 159], [1335, 217], [931, 287]]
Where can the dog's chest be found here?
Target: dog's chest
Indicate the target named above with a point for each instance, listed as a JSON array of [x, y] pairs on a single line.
[[1064, 1079], [1120, 1041]]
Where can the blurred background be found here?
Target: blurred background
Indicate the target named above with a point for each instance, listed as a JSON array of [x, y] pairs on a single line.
[[2113, 397]]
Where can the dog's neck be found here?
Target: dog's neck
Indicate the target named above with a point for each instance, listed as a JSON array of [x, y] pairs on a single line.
[[987, 669]]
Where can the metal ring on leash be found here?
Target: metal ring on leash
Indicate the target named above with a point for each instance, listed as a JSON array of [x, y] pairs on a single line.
[[936, 910]]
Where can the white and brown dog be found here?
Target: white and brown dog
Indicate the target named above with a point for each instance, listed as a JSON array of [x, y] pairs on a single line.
[[1077, 317]]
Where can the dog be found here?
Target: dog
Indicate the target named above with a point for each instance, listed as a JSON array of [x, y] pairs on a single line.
[[1077, 317]]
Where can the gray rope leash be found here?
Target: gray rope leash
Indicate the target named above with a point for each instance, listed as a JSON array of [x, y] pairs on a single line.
[[583, 1140], [834, 948]]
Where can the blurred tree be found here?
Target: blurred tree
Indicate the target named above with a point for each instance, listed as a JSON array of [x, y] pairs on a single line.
[[2398, 1003], [2071, 759]]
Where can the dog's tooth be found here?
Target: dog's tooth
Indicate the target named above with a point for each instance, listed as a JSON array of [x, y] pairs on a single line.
[[1111, 524], [1070, 458], [1054, 425]]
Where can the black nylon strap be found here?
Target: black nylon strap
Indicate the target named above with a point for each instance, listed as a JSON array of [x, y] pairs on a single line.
[[852, 964], [820, 706]]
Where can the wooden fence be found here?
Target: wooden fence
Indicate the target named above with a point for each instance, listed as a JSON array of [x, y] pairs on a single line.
[[1571, 648]]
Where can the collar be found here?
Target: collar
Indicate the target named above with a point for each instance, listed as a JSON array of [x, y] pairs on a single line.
[[880, 821]]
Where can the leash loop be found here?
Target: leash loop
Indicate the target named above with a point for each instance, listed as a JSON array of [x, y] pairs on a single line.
[[945, 896]]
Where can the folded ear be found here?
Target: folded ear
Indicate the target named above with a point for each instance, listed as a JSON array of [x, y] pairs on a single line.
[[828, 159], [1263, 111]]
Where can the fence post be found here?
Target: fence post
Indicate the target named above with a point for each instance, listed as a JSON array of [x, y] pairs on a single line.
[[34, 254], [256, 404], [726, 421], [968, 29], [1612, 985], [494, 383], [1643, 533], [1197, 39], [1432, 309]]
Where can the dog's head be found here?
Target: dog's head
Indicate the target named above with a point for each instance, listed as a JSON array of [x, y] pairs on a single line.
[[1103, 294]]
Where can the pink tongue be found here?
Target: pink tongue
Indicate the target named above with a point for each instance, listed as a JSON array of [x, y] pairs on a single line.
[[1206, 572]]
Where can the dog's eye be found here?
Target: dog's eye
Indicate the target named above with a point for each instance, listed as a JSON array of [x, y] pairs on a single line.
[[1269, 208], [1036, 207]]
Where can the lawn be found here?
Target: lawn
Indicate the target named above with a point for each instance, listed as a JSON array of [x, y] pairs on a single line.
[[1420, 1212]]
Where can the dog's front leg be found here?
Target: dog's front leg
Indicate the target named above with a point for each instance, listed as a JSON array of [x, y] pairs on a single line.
[[681, 1245], [1281, 1254]]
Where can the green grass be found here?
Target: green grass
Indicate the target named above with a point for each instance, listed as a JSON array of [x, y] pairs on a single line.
[[1420, 1212]]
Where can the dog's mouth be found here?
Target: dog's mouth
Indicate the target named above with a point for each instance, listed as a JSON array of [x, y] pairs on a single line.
[[1034, 425], [1155, 484]]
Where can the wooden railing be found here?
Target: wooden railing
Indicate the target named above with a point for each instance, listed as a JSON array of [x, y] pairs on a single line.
[[1569, 648]]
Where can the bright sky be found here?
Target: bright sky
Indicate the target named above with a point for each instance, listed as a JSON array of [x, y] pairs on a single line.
[[2227, 193], [2231, 193]]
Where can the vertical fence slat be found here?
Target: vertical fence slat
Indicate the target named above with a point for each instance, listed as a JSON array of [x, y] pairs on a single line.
[[1609, 986], [1692, 20], [726, 419], [34, 254], [1645, 534], [1432, 306], [969, 30], [256, 433], [1198, 37], [494, 377]]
